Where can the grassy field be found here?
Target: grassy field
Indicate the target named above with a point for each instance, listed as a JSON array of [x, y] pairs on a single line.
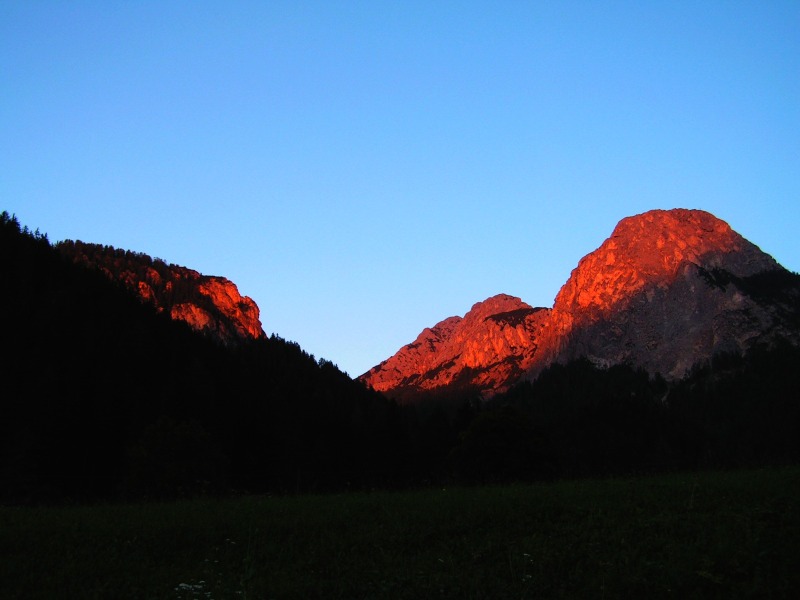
[[709, 535]]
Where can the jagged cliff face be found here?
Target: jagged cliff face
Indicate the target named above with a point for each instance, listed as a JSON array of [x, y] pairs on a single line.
[[667, 290], [493, 345], [208, 304], [651, 250], [661, 293], [228, 316]]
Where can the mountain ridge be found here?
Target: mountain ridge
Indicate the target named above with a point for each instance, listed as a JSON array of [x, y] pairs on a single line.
[[106, 397], [665, 291], [481, 342], [209, 304]]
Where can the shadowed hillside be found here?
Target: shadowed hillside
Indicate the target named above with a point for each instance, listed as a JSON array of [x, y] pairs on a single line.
[[103, 395]]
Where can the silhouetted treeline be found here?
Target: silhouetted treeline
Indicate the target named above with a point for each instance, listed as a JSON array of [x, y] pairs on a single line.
[[103, 397], [579, 420]]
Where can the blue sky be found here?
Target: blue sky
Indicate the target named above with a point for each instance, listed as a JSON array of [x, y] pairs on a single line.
[[363, 170]]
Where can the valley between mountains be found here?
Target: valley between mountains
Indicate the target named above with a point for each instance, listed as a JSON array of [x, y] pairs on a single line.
[[666, 291], [673, 345]]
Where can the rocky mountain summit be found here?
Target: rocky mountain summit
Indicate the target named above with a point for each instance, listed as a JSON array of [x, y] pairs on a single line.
[[668, 290], [491, 346], [208, 304]]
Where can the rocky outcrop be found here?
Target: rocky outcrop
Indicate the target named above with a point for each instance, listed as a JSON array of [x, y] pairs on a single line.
[[229, 317], [493, 345], [208, 304], [667, 290]]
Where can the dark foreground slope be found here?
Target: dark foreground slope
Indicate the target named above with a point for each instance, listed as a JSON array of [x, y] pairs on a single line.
[[104, 396]]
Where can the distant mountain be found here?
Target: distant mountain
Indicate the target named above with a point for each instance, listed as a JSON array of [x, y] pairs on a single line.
[[208, 304], [667, 291], [492, 346]]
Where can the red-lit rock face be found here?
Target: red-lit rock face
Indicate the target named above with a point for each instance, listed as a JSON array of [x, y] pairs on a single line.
[[196, 317], [491, 346], [211, 305], [647, 296], [663, 292], [241, 311], [230, 317], [644, 296], [650, 250]]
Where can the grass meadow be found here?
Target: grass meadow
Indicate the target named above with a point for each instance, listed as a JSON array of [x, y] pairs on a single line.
[[700, 535]]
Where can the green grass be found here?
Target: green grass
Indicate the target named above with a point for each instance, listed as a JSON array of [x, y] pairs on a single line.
[[709, 535]]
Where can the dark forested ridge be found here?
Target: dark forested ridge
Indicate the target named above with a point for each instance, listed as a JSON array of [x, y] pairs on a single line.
[[105, 397]]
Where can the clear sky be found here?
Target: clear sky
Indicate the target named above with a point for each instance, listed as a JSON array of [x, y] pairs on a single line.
[[363, 170]]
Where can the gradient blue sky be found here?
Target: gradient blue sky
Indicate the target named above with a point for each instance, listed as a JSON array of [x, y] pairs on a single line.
[[363, 170]]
